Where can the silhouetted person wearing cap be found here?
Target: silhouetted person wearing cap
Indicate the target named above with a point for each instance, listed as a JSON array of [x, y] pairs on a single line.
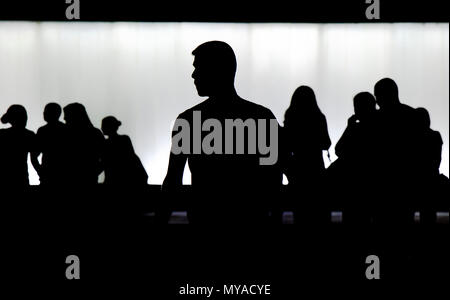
[[121, 164], [16, 142], [84, 147], [305, 137], [228, 186], [352, 173], [51, 143]]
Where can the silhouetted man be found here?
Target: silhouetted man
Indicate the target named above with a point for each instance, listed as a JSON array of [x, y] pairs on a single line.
[[51, 142], [227, 174], [397, 127]]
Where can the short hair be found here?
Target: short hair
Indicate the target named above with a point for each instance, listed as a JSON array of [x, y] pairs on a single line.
[[387, 86], [219, 53], [54, 109], [366, 99]]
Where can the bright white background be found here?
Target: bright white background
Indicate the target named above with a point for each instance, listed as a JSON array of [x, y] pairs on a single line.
[[140, 72]]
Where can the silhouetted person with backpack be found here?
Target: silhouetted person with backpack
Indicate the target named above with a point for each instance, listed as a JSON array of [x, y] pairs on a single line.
[[229, 187], [84, 147], [305, 137], [121, 164], [16, 142], [51, 143]]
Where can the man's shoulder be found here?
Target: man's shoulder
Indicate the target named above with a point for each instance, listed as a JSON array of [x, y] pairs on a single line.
[[187, 114], [257, 109]]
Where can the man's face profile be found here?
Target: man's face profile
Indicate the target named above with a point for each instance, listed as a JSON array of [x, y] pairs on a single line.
[[203, 77]]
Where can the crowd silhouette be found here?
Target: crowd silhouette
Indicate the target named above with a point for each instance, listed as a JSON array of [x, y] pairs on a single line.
[[386, 155]]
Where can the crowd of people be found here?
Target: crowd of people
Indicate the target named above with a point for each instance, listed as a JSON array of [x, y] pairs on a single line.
[[73, 152], [389, 149]]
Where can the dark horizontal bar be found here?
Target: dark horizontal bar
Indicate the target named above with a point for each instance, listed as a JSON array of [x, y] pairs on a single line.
[[284, 11]]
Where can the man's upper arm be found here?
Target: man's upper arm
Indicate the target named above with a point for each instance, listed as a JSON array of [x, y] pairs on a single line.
[[177, 162]]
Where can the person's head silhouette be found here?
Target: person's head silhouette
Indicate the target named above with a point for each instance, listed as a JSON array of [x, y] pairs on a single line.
[[110, 125], [303, 106], [52, 112], [386, 93], [364, 104], [16, 115], [304, 99], [215, 68], [75, 115], [423, 118]]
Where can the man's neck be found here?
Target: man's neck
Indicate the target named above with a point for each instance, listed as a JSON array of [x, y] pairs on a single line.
[[226, 95]]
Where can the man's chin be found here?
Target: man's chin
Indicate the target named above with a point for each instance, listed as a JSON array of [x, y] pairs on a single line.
[[202, 94]]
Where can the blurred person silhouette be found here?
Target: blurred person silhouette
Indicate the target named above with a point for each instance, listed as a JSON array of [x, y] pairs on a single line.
[[429, 182], [16, 142], [305, 137], [228, 188], [51, 143], [352, 173], [85, 145], [121, 164], [306, 134], [429, 148], [398, 133], [358, 136]]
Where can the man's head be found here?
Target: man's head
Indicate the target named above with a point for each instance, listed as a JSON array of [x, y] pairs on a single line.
[[386, 93], [364, 104], [52, 112], [214, 68]]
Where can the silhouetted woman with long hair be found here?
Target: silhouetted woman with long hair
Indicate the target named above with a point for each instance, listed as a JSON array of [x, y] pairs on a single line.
[[306, 137], [15, 144], [85, 146], [121, 164]]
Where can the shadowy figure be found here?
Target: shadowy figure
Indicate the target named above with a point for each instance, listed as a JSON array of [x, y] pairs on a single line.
[[429, 182], [228, 188], [15, 144], [305, 137], [306, 133], [352, 173], [429, 148], [398, 133], [357, 138], [121, 164], [51, 143], [84, 147]]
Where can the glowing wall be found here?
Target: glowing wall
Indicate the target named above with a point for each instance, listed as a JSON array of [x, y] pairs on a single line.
[[140, 72]]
